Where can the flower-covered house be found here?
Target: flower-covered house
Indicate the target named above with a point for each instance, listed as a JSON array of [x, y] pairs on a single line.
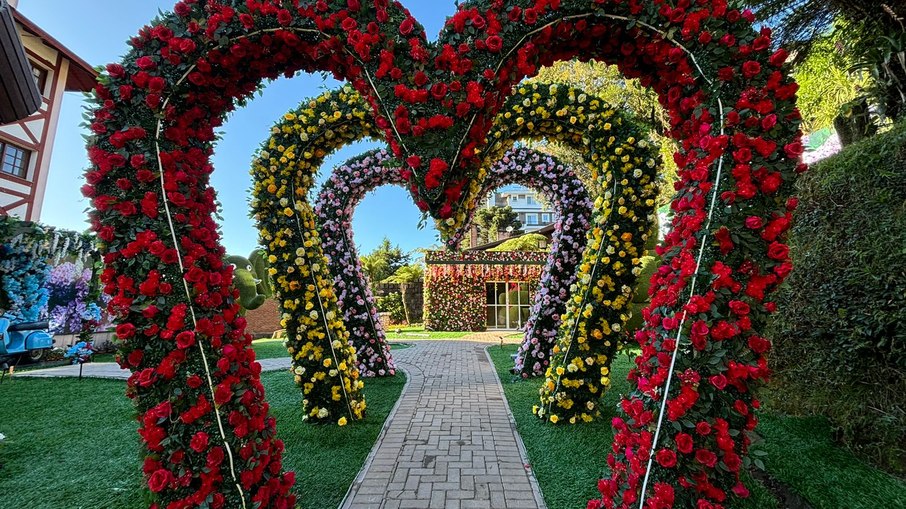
[[480, 290]]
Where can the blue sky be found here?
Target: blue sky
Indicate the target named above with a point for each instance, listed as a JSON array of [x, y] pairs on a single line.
[[97, 31]]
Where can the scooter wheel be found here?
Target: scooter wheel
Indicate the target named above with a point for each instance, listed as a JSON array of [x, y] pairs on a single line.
[[34, 355]]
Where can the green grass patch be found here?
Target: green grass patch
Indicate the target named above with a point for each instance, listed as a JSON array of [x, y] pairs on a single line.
[[802, 455], [569, 460], [418, 332], [269, 348], [74, 444]]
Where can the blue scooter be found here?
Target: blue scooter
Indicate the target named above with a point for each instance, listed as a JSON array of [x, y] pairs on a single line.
[[28, 340]]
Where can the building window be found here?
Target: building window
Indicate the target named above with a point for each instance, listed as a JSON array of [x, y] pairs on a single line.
[[14, 160], [545, 218], [508, 304], [530, 200], [40, 75], [531, 219]]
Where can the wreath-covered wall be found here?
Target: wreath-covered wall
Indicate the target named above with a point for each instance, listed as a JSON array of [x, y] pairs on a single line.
[[455, 284], [203, 416]]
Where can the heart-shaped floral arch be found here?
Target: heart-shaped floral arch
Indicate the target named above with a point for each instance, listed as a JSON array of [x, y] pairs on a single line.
[[208, 439], [349, 183], [605, 138]]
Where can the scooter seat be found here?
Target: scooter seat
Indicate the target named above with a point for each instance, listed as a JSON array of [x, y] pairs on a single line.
[[28, 326]]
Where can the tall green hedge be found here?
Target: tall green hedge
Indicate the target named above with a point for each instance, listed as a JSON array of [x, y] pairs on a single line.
[[840, 336]]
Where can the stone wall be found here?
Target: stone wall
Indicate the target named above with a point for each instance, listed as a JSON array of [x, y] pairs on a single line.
[[415, 297]]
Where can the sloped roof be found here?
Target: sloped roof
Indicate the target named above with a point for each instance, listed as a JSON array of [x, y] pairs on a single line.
[[82, 76]]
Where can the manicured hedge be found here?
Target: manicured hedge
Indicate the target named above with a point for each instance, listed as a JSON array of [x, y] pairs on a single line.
[[840, 337]]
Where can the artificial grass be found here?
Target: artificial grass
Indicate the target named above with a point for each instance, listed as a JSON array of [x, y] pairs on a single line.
[[569, 460], [73, 444]]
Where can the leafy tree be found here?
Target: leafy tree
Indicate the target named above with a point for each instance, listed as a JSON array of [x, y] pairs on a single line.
[[628, 95], [875, 32], [384, 261], [491, 220], [827, 82], [530, 242], [405, 276]]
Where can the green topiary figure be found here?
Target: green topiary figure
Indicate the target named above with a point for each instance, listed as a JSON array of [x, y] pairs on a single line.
[[251, 278]]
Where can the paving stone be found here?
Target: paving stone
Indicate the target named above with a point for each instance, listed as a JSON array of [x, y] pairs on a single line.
[[451, 443]]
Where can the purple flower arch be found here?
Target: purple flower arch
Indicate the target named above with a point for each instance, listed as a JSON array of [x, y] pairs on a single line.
[[349, 184]]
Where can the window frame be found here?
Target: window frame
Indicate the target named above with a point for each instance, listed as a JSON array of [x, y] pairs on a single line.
[[25, 160], [41, 75]]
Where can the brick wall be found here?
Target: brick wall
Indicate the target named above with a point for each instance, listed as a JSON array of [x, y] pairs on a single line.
[[262, 322]]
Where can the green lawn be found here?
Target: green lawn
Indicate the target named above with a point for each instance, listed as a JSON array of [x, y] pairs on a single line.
[[568, 461], [273, 348], [418, 332], [73, 444]]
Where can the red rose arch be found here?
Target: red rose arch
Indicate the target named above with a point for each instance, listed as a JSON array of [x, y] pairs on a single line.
[[208, 439]]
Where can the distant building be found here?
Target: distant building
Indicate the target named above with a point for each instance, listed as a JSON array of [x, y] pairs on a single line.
[[26, 146], [533, 213]]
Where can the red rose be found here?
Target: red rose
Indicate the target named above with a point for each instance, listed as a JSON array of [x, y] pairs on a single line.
[[530, 16], [706, 457], [719, 381], [703, 428], [723, 239], [145, 377], [439, 91], [159, 480], [125, 331], [135, 358], [116, 70], [778, 251], [407, 26], [739, 307], [145, 63], [182, 9], [779, 57], [478, 22], [794, 150], [284, 17], [185, 339], [750, 69], [495, 43], [194, 381], [754, 222], [683, 443], [199, 441], [666, 458]]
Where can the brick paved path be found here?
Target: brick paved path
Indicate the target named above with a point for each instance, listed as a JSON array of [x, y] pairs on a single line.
[[451, 444]]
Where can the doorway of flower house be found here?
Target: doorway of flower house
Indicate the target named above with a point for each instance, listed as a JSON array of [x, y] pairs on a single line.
[[508, 304]]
